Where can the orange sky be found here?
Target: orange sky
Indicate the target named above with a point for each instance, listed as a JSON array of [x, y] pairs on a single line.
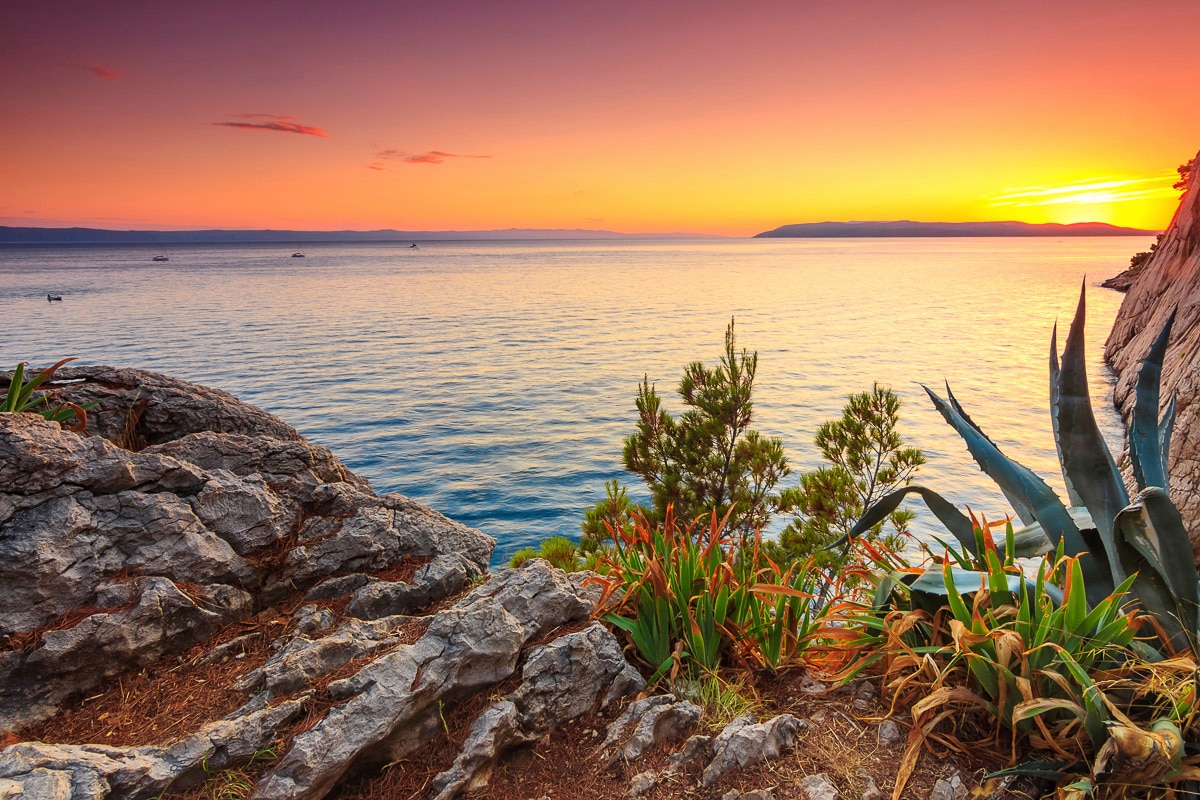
[[654, 116]]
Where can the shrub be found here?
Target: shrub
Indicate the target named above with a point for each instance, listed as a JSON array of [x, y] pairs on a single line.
[[687, 600], [709, 459], [866, 460]]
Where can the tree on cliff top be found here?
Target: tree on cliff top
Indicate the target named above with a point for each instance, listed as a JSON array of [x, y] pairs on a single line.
[[1185, 174]]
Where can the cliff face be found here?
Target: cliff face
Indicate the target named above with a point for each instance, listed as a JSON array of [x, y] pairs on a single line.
[[1169, 281]]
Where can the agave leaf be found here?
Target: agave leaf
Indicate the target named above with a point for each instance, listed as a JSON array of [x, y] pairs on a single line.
[[1145, 443], [1072, 495], [1154, 539], [1165, 428], [888, 585], [955, 521], [935, 588], [1087, 465], [1021, 482], [1017, 500]]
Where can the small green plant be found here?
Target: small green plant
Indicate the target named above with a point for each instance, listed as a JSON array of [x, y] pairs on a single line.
[[614, 512], [234, 784], [523, 555], [722, 699], [560, 551], [697, 600], [21, 398]]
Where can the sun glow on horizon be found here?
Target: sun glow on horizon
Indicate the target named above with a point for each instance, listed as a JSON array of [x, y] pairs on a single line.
[[1100, 199]]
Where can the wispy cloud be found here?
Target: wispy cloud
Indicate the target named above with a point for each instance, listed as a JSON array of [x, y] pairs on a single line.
[[1096, 190], [100, 70], [273, 122], [375, 165], [431, 157]]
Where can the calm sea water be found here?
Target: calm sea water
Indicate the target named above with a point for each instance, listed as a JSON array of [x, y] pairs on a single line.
[[495, 381]]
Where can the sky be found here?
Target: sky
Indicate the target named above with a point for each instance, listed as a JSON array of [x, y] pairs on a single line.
[[708, 117]]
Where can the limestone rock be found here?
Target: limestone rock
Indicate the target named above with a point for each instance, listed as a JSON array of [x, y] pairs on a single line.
[[191, 511], [560, 681], [654, 720], [951, 788], [819, 787], [471, 645], [744, 743], [872, 791], [205, 507], [440, 578], [642, 783], [889, 733], [161, 618], [1168, 281]]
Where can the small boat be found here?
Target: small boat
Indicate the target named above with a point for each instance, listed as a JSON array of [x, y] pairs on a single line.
[[413, 246], [160, 258], [50, 298], [297, 255]]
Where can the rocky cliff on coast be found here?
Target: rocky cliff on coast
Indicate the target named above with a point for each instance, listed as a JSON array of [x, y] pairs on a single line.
[[1168, 282], [197, 602]]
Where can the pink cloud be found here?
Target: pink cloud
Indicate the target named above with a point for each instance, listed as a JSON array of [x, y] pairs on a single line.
[[101, 71], [375, 165], [273, 122], [431, 157]]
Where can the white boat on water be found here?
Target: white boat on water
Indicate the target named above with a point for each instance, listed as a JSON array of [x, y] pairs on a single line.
[[297, 255], [160, 258]]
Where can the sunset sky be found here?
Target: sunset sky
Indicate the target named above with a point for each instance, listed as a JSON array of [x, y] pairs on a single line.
[[727, 118]]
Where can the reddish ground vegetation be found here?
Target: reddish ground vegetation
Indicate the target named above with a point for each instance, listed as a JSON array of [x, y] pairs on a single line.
[[27, 640], [168, 699]]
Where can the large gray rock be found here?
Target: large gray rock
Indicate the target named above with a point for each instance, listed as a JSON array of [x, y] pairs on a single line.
[[195, 511], [471, 645], [645, 724], [216, 496], [572, 675], [34, 682], [94, 772]]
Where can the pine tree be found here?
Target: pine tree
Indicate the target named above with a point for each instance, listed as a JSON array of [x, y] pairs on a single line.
[[866, 460], [709, 458]]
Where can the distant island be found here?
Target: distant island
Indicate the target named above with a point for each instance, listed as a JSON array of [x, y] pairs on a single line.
[[904, 227], [9, 235]]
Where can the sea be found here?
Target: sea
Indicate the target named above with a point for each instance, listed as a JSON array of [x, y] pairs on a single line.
[[495, 380]]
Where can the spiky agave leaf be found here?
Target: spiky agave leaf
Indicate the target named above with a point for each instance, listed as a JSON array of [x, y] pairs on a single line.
[[1020, 482], [1145, 435], [932, 588], [1165, 428], [1088, 468], [1017, 500], [1154, 542], [955, 521]]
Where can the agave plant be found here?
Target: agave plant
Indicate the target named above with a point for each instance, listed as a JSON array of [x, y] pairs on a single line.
[[1113, 536]]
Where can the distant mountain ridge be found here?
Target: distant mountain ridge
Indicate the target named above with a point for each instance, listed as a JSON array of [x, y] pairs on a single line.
[[904, 227], [11, 235]]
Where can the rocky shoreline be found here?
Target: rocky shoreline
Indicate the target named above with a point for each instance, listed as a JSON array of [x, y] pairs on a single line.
[[198, 543]]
